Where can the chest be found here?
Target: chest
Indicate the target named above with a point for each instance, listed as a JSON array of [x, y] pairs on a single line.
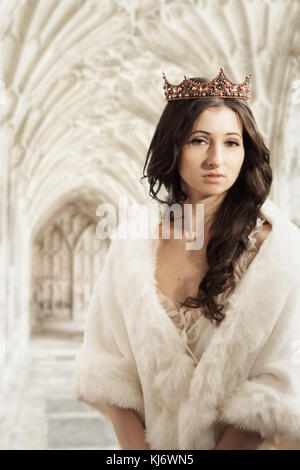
[[179, 271]]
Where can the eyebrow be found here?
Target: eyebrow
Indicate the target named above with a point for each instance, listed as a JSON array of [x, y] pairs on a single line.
[[209, 133]]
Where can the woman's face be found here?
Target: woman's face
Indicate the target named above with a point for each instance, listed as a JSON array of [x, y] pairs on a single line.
[[214, 145]]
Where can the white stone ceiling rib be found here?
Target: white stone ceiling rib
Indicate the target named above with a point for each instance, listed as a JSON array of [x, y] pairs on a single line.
[[84, 82]]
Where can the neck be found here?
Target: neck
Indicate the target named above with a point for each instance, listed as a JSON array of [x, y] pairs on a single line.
[[211, 204]]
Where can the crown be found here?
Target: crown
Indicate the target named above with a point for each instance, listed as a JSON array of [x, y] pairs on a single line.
[[219, 86]]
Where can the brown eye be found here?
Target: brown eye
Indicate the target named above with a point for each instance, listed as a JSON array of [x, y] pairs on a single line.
[[233, 142], [197, 140]]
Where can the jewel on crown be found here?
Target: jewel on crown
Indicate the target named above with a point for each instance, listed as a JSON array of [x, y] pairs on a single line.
[[220, 86]]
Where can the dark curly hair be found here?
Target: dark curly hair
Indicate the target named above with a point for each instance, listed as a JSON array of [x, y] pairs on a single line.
[[241, 203]]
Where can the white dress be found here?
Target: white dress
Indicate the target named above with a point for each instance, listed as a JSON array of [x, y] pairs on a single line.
[[195, 329]]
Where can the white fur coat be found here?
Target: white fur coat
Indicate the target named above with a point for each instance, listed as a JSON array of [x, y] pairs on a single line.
[[249, 375]]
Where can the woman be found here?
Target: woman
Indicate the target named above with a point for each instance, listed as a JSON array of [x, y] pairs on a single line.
[[193, 350]]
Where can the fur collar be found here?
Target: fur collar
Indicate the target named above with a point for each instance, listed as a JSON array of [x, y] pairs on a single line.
[[189, 394]]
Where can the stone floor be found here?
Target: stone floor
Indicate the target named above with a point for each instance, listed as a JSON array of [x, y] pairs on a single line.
[[42, 413]]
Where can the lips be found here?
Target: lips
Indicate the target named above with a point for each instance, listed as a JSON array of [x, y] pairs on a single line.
[[214, 174], [213, 178]]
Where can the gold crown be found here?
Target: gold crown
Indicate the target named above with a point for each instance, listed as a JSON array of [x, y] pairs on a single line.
[[219, 86]]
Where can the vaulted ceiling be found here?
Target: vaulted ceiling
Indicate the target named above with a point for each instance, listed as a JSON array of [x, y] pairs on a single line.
[[83, 84]]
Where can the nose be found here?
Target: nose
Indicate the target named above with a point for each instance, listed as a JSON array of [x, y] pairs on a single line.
[[214, 155]]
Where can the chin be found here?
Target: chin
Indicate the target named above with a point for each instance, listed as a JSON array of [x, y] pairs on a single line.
[[212, 189]]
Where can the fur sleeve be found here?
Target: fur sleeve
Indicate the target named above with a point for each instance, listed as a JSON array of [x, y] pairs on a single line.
[[102, 373], [268, 402]]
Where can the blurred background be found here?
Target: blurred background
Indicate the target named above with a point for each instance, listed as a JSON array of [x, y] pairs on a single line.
[[81, 91]]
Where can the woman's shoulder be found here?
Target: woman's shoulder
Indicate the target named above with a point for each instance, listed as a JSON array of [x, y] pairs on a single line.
[[279, 257]]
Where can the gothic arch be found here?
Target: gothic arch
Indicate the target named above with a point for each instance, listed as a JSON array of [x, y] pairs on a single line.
[[66, 259]]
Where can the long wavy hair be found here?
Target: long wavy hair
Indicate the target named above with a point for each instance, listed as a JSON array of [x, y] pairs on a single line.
[[241, 203]]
